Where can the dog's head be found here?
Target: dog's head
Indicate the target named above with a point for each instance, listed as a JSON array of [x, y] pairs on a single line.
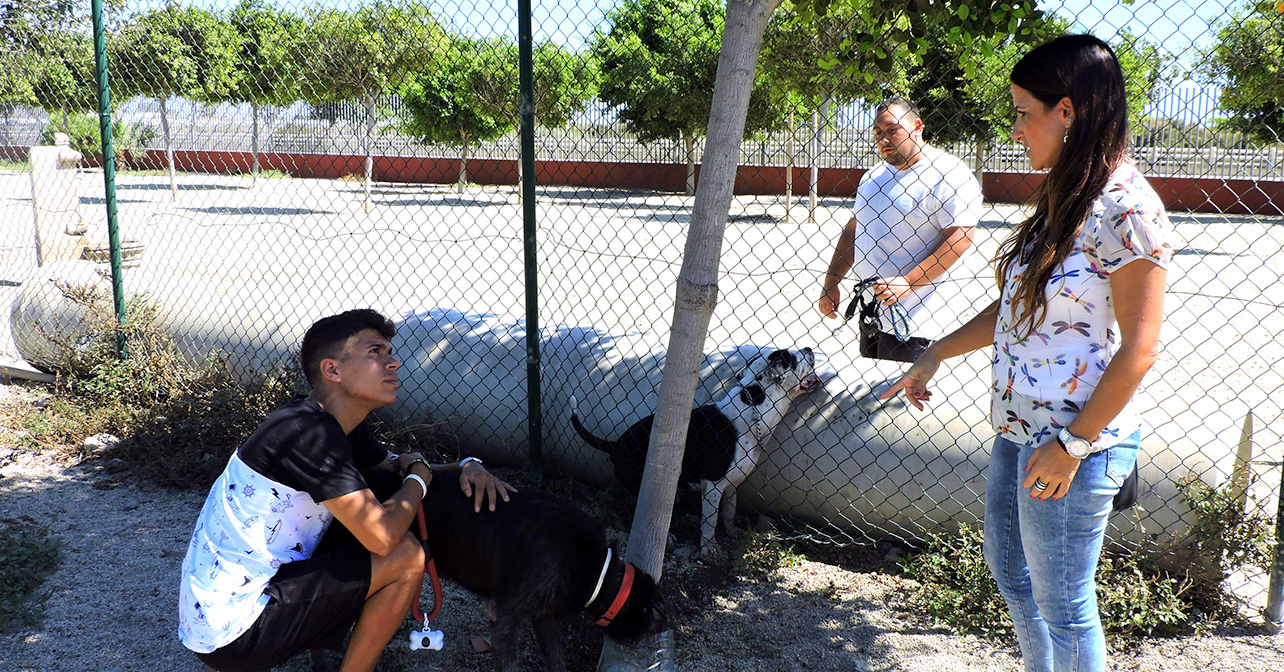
[[792, 370], [643, 613]]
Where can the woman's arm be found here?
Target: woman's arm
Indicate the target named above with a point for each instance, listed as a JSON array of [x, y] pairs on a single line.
[[1137, 290], [977, 333]]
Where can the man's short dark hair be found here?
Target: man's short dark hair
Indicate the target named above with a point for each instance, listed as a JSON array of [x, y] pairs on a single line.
[[906, 105], [329, 336]]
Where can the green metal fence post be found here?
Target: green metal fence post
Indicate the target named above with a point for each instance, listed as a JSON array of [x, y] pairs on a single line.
[[526, 83], [109, 168]]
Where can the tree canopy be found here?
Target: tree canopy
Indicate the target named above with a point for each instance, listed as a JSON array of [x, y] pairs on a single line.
[[658, 62], [176, 51], [1248, 61], [362, 54], [270, 54], [472, 99]]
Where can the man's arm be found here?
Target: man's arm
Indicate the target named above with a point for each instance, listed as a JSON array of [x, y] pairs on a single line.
[[380, 526], [839, 266], [957, 241]]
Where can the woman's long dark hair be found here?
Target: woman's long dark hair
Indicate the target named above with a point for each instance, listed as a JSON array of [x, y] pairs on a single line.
[[1084, 69]]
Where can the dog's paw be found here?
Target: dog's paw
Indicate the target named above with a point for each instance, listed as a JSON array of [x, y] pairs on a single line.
[[710, 549]]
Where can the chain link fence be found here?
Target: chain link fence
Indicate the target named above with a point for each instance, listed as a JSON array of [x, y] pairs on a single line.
[[285, 160]]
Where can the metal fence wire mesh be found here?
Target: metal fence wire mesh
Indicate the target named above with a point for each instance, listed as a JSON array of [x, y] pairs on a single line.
[[281, 161]]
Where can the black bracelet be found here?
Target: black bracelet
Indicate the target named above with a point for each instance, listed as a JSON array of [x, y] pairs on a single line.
[[419, 461]]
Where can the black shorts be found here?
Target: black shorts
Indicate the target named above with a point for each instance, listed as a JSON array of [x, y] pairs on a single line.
[[313, 605]]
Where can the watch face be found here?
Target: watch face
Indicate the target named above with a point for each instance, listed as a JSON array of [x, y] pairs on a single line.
[[1078, 448]]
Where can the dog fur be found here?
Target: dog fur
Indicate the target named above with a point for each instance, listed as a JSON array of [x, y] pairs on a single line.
[[724, 439], [536, 558]]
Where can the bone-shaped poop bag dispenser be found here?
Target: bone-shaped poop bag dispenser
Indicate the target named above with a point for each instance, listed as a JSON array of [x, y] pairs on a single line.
[[426, 639]]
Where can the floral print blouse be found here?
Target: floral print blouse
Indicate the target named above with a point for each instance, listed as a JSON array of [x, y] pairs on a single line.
[[1042, 381]]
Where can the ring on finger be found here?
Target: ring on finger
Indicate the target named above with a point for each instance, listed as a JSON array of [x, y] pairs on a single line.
[[1040, 485]]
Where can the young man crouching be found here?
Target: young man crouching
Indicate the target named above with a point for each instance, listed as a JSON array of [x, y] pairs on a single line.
[[259, 583]]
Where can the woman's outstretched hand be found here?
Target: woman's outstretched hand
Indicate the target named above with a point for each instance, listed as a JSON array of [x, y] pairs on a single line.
[[914, 382]]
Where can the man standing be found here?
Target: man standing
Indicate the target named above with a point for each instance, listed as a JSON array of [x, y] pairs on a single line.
[[259, 583], [913, 218]]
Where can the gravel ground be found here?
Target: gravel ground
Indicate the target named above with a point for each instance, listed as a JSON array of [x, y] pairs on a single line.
[[110, 604]]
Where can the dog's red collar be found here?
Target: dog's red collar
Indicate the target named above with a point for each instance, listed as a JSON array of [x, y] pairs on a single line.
[[626, 586]]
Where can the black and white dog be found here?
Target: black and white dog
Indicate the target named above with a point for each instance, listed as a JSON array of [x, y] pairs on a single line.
[[538, 558], [724, 439]]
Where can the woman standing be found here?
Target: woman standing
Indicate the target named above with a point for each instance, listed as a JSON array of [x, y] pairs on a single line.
[[1075, 330]]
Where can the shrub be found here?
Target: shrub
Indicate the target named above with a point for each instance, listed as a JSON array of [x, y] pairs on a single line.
[[179, 419], [86, 136], [956, 586]]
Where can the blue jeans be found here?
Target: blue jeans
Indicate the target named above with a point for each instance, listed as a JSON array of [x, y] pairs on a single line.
[[1043, 554]]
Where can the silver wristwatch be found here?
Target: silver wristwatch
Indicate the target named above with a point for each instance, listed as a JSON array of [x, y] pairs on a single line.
[[1076, 447]]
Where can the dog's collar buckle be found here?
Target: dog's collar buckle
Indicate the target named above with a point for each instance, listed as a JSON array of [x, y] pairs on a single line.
[[626, 586]]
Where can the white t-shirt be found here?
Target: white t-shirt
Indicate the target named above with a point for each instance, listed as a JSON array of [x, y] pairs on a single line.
[[1041, 381], [900, 216]]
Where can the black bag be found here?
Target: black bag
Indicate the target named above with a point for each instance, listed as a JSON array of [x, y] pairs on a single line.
[[1127, 495], [867, 319]]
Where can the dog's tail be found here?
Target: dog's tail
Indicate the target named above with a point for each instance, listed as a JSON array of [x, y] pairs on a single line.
[[600, 444]]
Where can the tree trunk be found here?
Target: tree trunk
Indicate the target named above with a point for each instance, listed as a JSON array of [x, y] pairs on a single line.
[[789, 167], [982, 151], [463, 170], [688, 142], [697, 290], [813, 189], [254, 142], [369, 143], [169, 150]]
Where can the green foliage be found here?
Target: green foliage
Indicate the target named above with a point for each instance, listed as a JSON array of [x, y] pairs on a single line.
[[472, 99], [85, 134], [1136, 594], [803, 57], [1248, 60], [362, 54], [1137, 598], [659, 59], [1224, 531], [762, 552], [176, 51], [270, 54], [898, 29], [64, 79], [957, 588], [564, 82], [179, 419], [27, 557]]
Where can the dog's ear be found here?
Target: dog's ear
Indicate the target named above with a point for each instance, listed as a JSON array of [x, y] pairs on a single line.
[[782, 362]]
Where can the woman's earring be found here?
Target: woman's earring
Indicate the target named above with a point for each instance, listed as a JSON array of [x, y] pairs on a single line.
[[1066, 138]]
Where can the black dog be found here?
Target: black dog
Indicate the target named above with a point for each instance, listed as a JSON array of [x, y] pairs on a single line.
[[538, 558], [724, 438]]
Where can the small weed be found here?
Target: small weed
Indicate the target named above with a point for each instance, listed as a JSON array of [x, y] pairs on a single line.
[[762, 552], [27, 557]]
